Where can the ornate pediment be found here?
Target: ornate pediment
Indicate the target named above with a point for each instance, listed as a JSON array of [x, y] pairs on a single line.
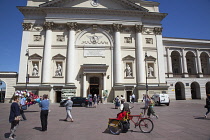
[[58, 57], [151, 58], [128, 57], [35, 56], [102, 4]]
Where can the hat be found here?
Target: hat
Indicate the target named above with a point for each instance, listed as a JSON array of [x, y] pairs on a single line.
[[69, 98]]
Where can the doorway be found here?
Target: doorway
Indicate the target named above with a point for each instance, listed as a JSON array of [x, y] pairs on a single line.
[[128, 94], [58, 96], [195, 91], [180, 91], [94, 86]]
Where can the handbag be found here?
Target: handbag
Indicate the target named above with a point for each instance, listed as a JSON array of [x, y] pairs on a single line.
[[24, 107], [17, 118]]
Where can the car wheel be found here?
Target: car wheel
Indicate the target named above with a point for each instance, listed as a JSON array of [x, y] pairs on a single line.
[[83, 104], [167, 104]]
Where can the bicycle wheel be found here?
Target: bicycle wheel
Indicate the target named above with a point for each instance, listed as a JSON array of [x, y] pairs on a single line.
[[146, 125], [115, 127]]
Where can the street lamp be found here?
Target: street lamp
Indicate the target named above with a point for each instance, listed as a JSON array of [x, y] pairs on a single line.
[[146, 73], [27, 75]]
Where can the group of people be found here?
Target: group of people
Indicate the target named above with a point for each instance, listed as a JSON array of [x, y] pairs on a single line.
[[93, 101], [16, 111], [119, 100]]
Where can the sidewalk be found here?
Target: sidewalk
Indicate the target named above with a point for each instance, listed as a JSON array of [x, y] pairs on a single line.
[[182, 120]]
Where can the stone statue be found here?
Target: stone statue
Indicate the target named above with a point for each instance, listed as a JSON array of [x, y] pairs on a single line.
[[35, 70], [58, 71], [128, 71], [150, 71]]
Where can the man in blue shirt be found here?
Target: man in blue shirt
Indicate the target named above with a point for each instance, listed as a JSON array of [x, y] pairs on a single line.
[[44, 104], [22, 103]]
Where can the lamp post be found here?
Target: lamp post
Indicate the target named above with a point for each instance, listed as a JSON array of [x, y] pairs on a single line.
[[27, 75], [146, 73], [1, 92]]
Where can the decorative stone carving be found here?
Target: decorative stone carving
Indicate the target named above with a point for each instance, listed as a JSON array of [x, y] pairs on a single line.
[[150, 71], [26, 26], [71, 25], [117, 27], [127, 39], [128, 71], [58, 71], [94, 3], [37, 37], [60, 27], [49, 25], [148, 30], [35, 70], [149, 40], [60, 38], [158, 30], [38, 28], [139, 28]]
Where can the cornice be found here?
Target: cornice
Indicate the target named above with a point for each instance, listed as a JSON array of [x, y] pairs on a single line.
[[45, 10]]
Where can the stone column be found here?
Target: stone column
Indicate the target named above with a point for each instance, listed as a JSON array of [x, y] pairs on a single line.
[[23, 56], [84, 85], [46, 66], [170, 72], [184, 62], [140, 63], [70, 65], [104, 81], [117, 55], [159, 42], [199, 68]]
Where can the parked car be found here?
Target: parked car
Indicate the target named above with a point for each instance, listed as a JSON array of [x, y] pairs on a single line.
[[161, 99], [77, 101]]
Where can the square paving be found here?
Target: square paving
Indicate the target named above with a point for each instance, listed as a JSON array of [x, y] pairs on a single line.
[[182, 120]]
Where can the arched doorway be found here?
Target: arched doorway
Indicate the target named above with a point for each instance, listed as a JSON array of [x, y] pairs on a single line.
[[2, 91], [195, 91], [94, 86], [180, 91], [208, 88]]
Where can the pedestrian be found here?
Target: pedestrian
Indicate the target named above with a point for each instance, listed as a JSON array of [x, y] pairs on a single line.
[[207, 105], [130, 98], [146, 105], [125, 106], [151, 109], [90, 101], [143, 98], [122, 98], [68, 106], [14, 117], [44, 104], [133, 98], [117, 102], [95, 100], [23, 107]]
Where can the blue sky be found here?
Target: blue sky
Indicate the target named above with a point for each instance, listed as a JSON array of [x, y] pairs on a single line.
[[186, 19]]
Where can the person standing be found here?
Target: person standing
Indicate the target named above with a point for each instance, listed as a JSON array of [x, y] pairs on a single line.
[[22, 105], [95, 100], [207, 105], [14, 117], [133, 98], [147, 102], [44, 104], [68, 106], [117, 102]]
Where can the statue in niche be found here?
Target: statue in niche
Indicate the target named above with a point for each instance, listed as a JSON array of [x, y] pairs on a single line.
[[150, 71], [128, 71], [58, 71], [35, 70]]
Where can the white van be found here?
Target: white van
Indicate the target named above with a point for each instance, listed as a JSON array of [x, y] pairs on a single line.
[[161, 99]]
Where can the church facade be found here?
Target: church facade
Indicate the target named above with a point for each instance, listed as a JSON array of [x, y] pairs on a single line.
[[108, 48]]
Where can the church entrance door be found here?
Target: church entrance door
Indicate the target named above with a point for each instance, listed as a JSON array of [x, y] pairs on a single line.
[[94, 86]]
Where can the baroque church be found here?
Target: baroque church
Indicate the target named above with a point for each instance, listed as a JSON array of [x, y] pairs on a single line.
[[108, 48]]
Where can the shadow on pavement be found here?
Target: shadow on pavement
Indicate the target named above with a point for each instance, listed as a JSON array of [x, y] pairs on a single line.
[[201, 118], [30, 111], [106, 131], [37, 128]]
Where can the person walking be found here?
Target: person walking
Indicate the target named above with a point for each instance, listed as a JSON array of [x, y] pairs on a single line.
[[117, 102], [23, 106], [151, 109], [68, 106], [95, 100], [146, 105], [44, 104], [14, 117], [207, 105]]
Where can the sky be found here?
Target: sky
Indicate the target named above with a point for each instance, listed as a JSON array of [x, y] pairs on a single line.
[[185, 19]]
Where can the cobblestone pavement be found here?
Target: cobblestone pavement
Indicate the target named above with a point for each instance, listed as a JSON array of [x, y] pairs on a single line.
[[182, 120]]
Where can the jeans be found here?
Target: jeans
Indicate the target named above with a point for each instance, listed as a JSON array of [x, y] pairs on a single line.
[[43, 117], [68, 114], [208, 110]]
